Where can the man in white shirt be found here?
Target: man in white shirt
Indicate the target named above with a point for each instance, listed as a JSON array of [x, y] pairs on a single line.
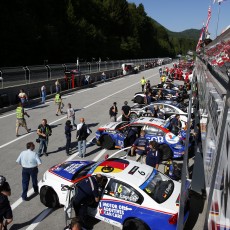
[[82, 133], [71, 114], [29, 160]]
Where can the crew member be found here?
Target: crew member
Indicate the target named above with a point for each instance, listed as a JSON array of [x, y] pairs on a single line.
[[58, 102], [29, 160], [87, 193], [140, 147], [5, 208], [153, 157], [21, 121], [125, 111], [143, 82]]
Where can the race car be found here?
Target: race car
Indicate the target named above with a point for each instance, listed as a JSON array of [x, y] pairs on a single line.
[[175, 93], [115, 134], [170, 108], [134, 194], [67, 173]]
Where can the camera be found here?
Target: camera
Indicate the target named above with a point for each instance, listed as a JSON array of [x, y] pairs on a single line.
[[37, 140]]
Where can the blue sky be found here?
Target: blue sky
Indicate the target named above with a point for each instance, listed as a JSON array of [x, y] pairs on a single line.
[[178, 15]]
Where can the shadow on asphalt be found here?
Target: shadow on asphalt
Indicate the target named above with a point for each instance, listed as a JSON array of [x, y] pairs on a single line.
[[196, 208]]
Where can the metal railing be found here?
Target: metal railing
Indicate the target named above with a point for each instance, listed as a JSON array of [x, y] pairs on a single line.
[[14, 76]]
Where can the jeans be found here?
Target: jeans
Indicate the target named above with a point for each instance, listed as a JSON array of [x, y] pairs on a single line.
[[82, 148], [26, 174], [42, 146], [73, 121], [43, 97], [68, 144]]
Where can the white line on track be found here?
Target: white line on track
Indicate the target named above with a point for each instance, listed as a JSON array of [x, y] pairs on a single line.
[[37, 221], [82, 91]]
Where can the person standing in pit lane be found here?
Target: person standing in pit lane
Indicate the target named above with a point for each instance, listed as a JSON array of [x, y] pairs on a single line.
[[140, 147], [153, 156], [68, 130], [43, 131], [71, 114], [29, 160], [21, 121], [6, 215], [125, 111], [143, 82], [113, 112], [43, 93]]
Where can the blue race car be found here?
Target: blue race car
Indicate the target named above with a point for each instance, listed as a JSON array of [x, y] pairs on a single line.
[[116, 135]]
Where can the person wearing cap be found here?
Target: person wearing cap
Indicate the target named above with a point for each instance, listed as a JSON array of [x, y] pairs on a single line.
[[113, 112], [5, 208], [125, 111], [29, 160], [153, 156]]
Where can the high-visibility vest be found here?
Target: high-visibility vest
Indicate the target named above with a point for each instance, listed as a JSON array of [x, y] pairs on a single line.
[[57, 98], [19, 113], [143, 81]]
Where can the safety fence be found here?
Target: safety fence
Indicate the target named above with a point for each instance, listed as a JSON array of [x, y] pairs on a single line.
[[22, 75]]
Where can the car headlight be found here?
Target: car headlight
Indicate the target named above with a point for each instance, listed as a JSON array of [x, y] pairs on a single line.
[[44, 177]]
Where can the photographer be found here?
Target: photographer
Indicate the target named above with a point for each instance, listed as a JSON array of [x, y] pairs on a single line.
[[68, 129], [43, 131], [21, 121]]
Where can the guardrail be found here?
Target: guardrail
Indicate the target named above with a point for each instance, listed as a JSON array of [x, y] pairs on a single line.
[[14, 76]]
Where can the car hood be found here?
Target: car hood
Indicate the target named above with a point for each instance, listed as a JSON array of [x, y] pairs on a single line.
[[67, 169]]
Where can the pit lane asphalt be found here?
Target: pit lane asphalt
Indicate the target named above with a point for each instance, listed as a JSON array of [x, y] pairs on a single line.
[[93, 104]]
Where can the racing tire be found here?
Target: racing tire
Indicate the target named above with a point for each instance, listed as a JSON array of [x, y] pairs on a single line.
[[106, 142], [133, 116], [139, 99], [49, 197], [136, 224], [166, 152]]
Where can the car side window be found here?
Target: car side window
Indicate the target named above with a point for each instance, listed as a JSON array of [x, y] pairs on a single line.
[[123, 191], [169, 109], [150, 130]]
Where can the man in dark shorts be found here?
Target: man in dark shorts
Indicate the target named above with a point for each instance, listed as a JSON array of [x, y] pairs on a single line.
[[5, 208], [125, 111]]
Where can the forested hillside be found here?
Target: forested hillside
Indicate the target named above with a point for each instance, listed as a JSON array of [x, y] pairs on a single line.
[[62, 30]]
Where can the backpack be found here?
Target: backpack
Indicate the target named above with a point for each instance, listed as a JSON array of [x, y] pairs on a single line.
[[111, 113]]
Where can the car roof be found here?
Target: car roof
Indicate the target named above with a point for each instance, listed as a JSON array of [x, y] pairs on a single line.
[[168, 102], [129, 171], [149, 121], [67, 169]]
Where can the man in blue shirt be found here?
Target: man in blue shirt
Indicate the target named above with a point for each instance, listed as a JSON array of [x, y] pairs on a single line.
[[153, 156], [29, 160], [140, 147]]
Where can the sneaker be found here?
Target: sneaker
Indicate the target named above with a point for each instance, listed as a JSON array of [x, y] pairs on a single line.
[[17, 135], [46, 154], [28, 130], [56, 114], [25, 199]]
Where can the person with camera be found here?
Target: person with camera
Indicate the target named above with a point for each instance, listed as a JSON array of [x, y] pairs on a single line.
[[68, 130], [29, 160], [76, 224], [43, 131], [21, 121], [6, 215]]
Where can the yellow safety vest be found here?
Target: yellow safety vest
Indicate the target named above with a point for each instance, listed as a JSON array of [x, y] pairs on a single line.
[[57, 98], [143, 81], [19, 113]]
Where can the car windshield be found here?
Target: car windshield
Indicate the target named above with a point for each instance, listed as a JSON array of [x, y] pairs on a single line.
[[83, 171], [157, 188]]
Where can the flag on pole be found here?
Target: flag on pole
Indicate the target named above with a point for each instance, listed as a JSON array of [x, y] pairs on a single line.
[[208, 19], [204, 30]]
